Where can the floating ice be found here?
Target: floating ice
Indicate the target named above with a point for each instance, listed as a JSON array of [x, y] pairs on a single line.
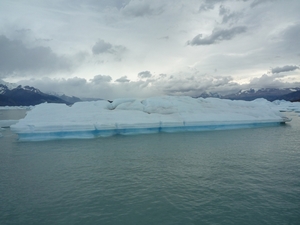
[[132, 116], [285, 106]]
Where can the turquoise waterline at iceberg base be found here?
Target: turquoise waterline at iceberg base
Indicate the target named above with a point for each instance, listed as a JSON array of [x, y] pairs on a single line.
[[135, 131], [152, 115]]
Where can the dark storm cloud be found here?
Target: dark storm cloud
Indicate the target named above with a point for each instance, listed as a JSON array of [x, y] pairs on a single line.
[[123, 79], [284, 69], [144, 74], [100, 79], [16, 57], [217, 36]]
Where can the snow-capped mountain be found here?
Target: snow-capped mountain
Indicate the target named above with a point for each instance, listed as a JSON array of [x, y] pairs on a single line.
[[25, 96], [210, 95], [7, 84], [69, 99], [270, 94], [3, 89]]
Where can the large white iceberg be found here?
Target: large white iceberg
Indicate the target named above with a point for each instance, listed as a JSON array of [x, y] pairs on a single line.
[[132, 116]]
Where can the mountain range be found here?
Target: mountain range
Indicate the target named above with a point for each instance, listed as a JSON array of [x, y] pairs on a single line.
[[12, 95], [271, 94], [25, 96]]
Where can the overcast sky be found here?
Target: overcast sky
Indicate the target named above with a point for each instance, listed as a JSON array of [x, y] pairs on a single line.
[[141, 48]]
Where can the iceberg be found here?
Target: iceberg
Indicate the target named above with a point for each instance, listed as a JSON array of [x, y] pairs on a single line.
[[133, 116], [285, 106]]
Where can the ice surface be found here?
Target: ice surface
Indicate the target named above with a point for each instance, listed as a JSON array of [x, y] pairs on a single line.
[[285, 106], [133, 116]]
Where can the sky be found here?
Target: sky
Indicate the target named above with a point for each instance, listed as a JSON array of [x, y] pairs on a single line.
[[141, 48]]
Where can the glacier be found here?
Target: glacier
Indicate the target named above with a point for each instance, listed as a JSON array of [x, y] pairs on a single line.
[[134, 116]]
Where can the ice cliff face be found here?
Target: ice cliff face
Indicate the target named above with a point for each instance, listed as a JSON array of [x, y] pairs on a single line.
[[132, 116]]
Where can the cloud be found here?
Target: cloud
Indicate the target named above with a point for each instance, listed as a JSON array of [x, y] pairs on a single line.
[[158, 85], [176, 84], [165, 38], [291, 37], [286, 68], [141, 8], [196, 85], [217, 36], [152, 30], [144, 74], [119, 4], [102, 47], [228, 15], [23, 31], [223, 10], [101, 79], [123, 79], [15, 57], [266, 81], [76, 81], [258, 2], [209, 4]]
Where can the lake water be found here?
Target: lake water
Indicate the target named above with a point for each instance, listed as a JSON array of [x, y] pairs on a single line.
[[246, 176]]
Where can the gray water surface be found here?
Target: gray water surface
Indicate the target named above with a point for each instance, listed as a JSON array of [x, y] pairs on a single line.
[[246, 176]]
